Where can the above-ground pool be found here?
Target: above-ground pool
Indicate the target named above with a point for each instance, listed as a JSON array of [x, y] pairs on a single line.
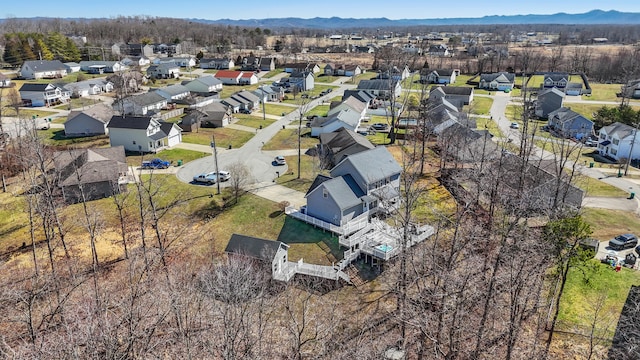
[[384, 247]]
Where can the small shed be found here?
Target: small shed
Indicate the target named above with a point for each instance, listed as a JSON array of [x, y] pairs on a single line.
[[269, 251]]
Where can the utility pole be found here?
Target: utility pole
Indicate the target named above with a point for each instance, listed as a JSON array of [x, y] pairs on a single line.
[[215, 160], [633, 142], [264, 112]]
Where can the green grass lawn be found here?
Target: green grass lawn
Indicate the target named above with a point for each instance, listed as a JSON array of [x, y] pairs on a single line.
[[576, 309], [272, 73], [603, 92], [309, 168], [229, 90], [363, 76], [594, 187], [56, 137], [78, 103], [480, 105], [59, 120], [253, 121], [320, 110], [171, 155], [309, 243], [276, 109], [224, 137], [489, 124], [288, 139], [328, 79], [28, 113]]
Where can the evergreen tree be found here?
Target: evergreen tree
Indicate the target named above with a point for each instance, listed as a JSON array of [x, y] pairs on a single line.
[[42, 49], [12, 54], [71, 51], [57, 44]]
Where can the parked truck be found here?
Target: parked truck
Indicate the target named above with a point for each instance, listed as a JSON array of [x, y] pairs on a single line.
[[155, 164]]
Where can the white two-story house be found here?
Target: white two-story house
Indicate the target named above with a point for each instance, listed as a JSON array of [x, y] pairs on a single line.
[[615, 141], [143, 133]]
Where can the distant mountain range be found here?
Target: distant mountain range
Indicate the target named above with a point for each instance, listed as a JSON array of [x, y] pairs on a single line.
[[590, 18]]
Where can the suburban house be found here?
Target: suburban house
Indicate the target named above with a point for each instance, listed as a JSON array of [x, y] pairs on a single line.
[[554, 79], [393, 72], [439, 50], [233, 104], [501, 81], [216, 63], [99, 67], [342, 70], [204, 85], [173, 92], [364, 96], [615, 141], [267, 64], [573, 89], [632, 89], [168, 49], [127, 82], [462, 144], [303, 81], [248, 78], [301, 67], [337, 145], [143, 133], [351, 103], [270, 252], [549, 100], [570, 124], [180, 61], [141, 105], [214, 115], [248, 98], [346, 118], [136, 61], [269, 93], [437, 76], [72, 67], [164, 71], [42, 94], [90, 174], [42, 69], [360, 184], [122, 49], [89, 122], [88, 87], [457, 95], [383, 88], [252, 63], [229, 77]]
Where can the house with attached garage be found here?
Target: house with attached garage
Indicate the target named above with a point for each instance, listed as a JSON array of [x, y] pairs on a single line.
[[502, 81], [617, 140], [555, 79], [42, 94], [248, 78], [248, 98], [346, 118], [229, 77], [303, 81], [173, 92], [548, 100], [332, 69], [180, 61], [136, 61], [570, 124], [216, 63], [143, 133], [88, 87], [106, 66], [382, 88], [462, 144], [204, 85], [141, 105], [42, 69], [164, 71], [437, 76], [88, 122], [213, 115], [457, 95], [233, 104], [269, 93], [72, 67], [91, 174]]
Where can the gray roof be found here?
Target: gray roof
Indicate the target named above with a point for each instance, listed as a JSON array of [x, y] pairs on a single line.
[[377, 84], [208, 80], [34, 87], [619, 129], [548, 91], [556, 76], [45, 65], [145, 99], [344, 191], [129, 122], [248, 95], [351, 102], [253, 247], [361, 95], [100, 112], [504, 76], [231, 102], [87, 166], [374, 164], [175, 89], [457, 90]]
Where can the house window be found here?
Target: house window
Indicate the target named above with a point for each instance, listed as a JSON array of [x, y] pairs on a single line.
[[614, 152], [616, 141], [324, 193], [134, 142]]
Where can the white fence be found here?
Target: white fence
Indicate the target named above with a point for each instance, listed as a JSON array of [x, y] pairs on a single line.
[[351, 226]]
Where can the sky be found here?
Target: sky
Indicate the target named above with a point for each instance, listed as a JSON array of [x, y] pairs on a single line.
[[258, 9]]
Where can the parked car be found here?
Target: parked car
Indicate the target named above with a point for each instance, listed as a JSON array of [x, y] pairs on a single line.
[[624, 241], [279, 160], [208, 178], [155, 164], [245, 111], [380, 126], [224, 175], [590, 143], [304, 96], [514, 125]]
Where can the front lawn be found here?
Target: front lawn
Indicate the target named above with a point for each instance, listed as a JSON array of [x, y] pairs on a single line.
[[252, 121], [171, 155], [603, 92], [320, 110], [594, 187], [79, 103], [223, 136], [489, 124], [606, 224], [277, 109], [56, 137], [288, 139], [577, 304], [480, 105], [229, 90], [328, 79], [309, 168]]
